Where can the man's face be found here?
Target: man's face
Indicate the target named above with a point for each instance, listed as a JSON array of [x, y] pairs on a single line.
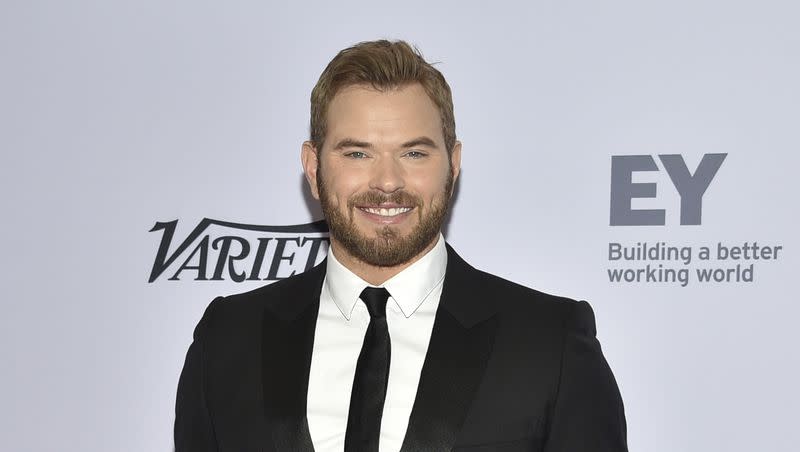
[[383, 177]]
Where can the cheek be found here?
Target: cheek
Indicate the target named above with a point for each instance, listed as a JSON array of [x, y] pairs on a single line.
[[430, 186], [339, 190]]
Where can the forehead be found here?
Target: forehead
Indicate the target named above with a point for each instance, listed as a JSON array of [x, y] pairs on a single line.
[[388, 116]]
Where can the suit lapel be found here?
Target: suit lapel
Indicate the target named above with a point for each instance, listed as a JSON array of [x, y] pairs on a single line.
[[460, 345], [288, 340]]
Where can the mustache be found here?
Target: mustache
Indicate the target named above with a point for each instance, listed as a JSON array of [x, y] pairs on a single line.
[[375, 197]]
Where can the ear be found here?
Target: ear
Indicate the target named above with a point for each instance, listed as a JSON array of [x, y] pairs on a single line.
[[455, 162], [309, 157]]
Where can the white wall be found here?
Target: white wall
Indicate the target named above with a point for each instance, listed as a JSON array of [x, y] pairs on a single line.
[[117, 115]]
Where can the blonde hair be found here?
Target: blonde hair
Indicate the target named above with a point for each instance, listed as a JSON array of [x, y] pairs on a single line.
[[383, 65]]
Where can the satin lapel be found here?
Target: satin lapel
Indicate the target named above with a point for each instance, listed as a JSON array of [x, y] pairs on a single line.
[[288, 340], [461, 342]]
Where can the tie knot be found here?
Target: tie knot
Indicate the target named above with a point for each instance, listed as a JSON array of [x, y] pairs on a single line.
[[375, 298]]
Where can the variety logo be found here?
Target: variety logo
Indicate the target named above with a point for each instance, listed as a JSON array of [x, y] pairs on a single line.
[[219, 250], [690, 187]]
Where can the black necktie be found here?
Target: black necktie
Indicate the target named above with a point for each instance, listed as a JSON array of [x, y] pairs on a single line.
[[372, 375]]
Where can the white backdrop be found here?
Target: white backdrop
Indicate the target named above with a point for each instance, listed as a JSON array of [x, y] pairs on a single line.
[[117, 115]]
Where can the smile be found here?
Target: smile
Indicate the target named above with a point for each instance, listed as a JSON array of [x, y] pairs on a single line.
[[386, 212]]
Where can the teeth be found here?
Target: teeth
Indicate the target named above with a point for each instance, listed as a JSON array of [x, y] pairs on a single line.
[[387, 212]]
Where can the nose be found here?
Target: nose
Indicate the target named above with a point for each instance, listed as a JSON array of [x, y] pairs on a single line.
[[388, 175]]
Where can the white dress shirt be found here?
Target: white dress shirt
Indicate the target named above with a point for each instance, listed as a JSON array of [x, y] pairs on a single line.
[[341, 325]]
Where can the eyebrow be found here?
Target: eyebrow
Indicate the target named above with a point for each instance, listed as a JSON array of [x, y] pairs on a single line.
[[419, 141], [353, 143]]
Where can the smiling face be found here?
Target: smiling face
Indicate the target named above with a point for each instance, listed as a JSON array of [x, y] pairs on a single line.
[[383, 176]]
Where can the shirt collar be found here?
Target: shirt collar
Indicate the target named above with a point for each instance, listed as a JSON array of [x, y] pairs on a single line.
[[409, 288]]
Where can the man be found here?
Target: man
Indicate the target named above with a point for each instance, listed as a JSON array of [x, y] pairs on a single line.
[[394, 341]]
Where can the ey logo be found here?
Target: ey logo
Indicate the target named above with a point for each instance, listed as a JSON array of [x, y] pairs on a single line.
[[690, 187]]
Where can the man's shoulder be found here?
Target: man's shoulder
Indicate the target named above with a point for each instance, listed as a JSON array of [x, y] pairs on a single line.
[[237, 311], [518, 296], [516, 301], [278, 290]]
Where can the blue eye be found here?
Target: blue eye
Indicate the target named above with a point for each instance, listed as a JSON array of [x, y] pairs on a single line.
[[416, 154], [356, 155]]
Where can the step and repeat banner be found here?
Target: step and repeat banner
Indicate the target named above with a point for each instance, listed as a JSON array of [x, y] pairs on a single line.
[[638, 155]]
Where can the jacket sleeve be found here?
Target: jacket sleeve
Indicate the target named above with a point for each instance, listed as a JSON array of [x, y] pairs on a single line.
[[194, 429], [588, 414]]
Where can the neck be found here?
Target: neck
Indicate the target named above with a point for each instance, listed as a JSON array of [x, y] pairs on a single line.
[[374, 275]]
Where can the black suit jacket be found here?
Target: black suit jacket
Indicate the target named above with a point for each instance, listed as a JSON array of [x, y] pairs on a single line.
[[508, 369]]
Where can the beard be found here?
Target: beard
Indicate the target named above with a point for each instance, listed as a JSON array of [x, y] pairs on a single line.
[[388, 248]]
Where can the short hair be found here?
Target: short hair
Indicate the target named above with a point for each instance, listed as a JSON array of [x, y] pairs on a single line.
[[384, 65]]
